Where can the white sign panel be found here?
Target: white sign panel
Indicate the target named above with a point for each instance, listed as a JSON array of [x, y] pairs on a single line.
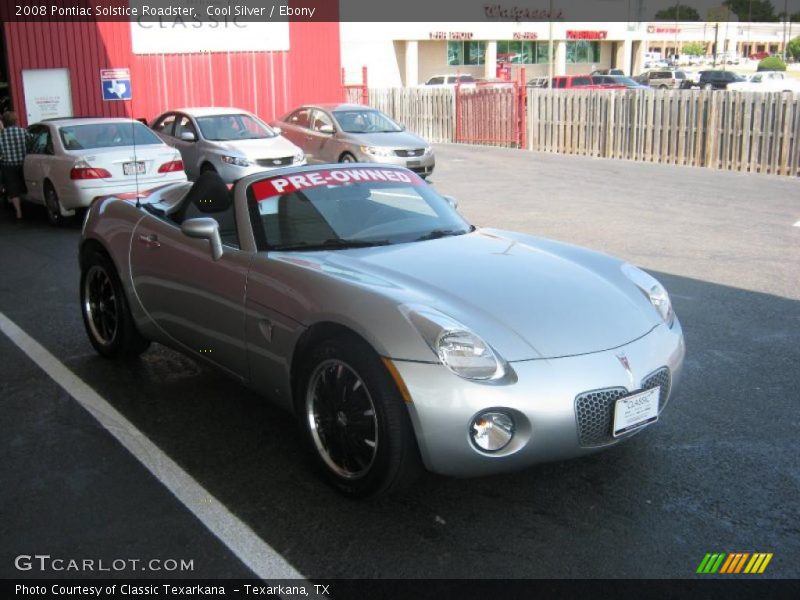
[[47, 94], [181, 36]]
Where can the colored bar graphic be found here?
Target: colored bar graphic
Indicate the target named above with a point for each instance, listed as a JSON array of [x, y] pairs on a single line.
[[717, 564], [765, 563], [727, 564], [741, 562], [734, 563], [703, 563]]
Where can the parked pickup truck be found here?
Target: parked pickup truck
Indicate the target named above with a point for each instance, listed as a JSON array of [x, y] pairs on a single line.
[[712, 80], [584, 82]]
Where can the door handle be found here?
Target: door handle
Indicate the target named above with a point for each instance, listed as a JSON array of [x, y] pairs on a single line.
[[150, 241]]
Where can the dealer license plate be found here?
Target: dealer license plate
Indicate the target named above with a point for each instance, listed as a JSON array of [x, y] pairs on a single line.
[[636, 411], [413, 163], [133, 168]]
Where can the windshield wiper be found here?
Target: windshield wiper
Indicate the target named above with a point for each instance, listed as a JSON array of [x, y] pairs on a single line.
[[332, 244], [439, 233]]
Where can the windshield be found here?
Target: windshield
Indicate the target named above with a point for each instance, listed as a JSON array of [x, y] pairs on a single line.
[[106, 135], [365, 121], [349, 208], [224, 128]]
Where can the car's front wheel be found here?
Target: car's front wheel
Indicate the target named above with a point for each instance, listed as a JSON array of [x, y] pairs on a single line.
[[106, 315], [347, 158], [355, 420]]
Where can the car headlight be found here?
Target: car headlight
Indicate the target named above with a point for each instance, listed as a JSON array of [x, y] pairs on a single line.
[[462, 351], [299, 157], [652, 290], [236, 160], [377, 150], [428, 150]]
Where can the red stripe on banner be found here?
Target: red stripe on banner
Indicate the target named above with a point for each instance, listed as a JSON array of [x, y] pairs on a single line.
[[286, 184]]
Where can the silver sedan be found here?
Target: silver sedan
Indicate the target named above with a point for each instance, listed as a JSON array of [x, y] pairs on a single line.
[[401, 336], [228, 141], [330, 133]]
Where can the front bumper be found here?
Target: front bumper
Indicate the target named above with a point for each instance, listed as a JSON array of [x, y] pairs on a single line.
[[542, 403], [230, 173], [421, 165]]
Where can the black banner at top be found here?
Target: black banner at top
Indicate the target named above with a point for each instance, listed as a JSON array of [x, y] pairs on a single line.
[[432, 11]]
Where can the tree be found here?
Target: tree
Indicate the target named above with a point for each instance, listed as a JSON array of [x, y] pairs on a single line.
[[694, 49], [772, 63], [678, 12], [793, 48], [752, 10]]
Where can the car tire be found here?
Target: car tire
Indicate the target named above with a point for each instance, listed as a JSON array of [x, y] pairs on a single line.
[[53, 205], [662, 87], [347, 158], [106, 314], [207, 167], [354, 419]]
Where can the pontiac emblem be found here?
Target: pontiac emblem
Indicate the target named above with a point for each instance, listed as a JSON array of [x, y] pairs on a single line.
[[623, 360]]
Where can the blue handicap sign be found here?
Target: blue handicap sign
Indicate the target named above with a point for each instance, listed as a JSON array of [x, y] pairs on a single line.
[[116, 89]]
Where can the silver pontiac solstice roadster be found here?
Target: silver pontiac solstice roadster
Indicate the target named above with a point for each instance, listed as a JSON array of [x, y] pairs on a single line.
[[401, 336]]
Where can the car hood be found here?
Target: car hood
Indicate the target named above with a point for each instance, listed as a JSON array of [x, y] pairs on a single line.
[[529, 298], [275, 147], [399, 139]]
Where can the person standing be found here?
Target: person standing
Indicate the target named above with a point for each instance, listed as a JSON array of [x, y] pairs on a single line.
[[14, 141]]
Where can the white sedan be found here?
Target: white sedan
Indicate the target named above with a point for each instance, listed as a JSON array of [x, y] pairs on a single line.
[[767, 81], [73, 161]]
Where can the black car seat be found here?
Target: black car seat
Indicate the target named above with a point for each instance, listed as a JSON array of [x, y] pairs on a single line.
[[210, 197]]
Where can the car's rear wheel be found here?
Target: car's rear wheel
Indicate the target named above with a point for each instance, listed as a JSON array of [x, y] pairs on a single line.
[[354, 419], [347, 158], [106, 314], [53, 205]]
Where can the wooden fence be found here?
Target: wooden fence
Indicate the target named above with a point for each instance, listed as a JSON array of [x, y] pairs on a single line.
[[429, 112], [738, 131]]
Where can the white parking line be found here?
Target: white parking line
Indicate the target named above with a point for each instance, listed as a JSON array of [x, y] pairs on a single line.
[[259, 557]]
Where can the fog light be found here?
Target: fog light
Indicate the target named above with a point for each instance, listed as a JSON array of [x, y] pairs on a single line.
[[492, 431]]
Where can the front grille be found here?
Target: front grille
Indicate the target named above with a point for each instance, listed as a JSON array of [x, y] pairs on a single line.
[[406, 153], [595, 410], [663, 378], [274, 162]]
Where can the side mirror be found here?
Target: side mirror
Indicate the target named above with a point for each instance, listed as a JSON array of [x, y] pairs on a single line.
[[188, 136], [327, 129], [277, 130], [452, 202], [204, 228]]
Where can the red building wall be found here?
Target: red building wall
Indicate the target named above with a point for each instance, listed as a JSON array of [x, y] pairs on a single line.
[[266, 83]]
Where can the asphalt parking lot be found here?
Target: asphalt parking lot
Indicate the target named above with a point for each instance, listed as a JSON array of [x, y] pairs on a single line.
[[719, 472]]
